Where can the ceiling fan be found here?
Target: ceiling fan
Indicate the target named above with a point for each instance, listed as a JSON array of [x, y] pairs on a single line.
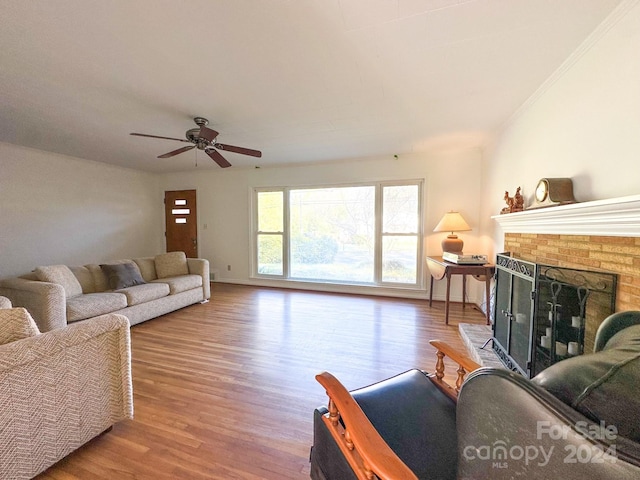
[[204, 138]]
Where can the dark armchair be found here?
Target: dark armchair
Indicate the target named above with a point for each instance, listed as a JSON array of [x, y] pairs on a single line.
[[578, 419]]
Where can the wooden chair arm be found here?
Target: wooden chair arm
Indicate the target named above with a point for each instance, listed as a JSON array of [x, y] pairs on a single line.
[[465, 365], [361, 444]]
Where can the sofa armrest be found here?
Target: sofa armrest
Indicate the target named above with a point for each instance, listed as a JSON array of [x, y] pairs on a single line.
[[200, 266], [501, 413], [46, 302], [613, 324], [60, 389]]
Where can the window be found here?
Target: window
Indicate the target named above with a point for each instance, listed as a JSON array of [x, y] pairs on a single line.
[[332, 234], [362, 234], [270, 233], [400, 228]]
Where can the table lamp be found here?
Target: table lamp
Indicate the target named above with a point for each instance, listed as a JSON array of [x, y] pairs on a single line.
[[452, 222]]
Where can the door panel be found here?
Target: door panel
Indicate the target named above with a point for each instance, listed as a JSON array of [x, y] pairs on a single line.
[[181, 222]]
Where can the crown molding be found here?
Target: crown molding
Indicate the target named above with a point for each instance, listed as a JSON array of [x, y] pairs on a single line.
[[594, 37], [618, 217]]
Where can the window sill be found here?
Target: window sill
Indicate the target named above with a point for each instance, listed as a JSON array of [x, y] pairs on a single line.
[[401, 291]]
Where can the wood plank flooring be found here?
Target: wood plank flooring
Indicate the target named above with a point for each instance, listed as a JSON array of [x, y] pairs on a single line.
[[226, 390]]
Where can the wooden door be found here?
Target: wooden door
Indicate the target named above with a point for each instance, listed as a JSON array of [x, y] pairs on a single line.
[[181, 222]]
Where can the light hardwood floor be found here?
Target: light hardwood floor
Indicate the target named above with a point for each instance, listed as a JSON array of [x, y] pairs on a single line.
[[226, 390]]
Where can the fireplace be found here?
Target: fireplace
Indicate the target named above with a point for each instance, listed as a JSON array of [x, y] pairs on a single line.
[[601, 236], [543, 312]]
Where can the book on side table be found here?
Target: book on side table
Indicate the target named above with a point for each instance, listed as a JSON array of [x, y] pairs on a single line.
[[462, 259]]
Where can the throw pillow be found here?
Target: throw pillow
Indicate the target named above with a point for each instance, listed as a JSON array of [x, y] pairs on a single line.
[[16, 324], [171, 264], [62, 275], [147, 267], [603, 385], [84, 276], [122, 275]]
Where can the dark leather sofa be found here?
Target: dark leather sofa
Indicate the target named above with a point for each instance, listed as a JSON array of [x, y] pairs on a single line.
[[579, 419]]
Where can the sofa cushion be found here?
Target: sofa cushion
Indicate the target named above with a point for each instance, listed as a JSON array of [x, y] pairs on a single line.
[[30, 276], [147, 266], [84, 276], [144, 293], [171, 264], [603, 386], [181, 283], [62, 275], [94, 304], [122, 275], [99, 278], [16, 324]]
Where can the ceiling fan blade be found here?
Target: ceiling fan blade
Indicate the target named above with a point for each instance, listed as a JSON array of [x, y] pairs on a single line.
[[207, 133], [156, 136], [177, 152], [216, 157], [242, 150]]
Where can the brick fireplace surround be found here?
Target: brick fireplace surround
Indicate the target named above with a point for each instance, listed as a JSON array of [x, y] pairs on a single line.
[[619, 255]]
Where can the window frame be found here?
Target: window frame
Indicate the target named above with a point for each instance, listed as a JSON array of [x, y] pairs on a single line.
[[419, 234], [378, 235], [256, 233]]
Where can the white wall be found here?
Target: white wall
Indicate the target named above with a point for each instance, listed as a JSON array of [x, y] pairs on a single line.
[[58, 209], [584, 124], [452, 182]]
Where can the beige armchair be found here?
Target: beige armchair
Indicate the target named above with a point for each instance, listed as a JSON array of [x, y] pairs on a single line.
[[59, 389]]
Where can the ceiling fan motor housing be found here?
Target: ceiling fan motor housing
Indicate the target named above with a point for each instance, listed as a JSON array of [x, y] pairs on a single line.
[[201, 121], [193, 135]]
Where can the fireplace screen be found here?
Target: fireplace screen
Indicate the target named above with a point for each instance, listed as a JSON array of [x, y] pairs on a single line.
[[544, 314]]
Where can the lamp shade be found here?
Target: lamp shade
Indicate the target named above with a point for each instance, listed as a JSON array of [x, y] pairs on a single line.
[[452, 222]]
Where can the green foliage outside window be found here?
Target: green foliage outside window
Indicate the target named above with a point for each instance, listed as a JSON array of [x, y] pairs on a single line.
[[313, 249]]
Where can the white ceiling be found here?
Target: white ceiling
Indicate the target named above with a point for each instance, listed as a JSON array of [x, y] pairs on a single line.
[[301, 80]]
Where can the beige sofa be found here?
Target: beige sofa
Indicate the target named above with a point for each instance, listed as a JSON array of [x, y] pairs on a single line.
[[58, 389], [139, 288]]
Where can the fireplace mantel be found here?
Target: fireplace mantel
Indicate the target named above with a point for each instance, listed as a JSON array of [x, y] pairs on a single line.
[[619, 217]]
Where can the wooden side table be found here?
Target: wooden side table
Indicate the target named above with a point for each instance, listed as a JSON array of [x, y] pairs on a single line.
[[440, 269]]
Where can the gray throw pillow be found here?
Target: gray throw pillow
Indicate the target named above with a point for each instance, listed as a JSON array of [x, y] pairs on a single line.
[[122, 275]]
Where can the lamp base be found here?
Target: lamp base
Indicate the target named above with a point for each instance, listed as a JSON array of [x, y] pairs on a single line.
[[452, 244]]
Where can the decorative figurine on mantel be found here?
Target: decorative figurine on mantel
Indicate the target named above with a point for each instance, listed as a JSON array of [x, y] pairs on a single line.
[[514, 204]]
